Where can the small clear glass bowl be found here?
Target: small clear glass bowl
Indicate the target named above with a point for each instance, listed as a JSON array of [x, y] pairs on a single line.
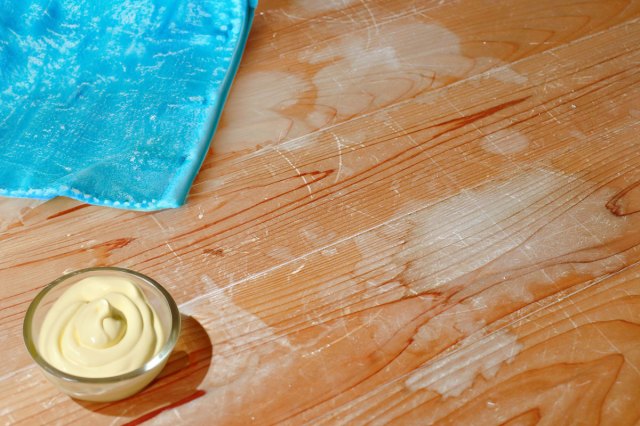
[[104, 388]]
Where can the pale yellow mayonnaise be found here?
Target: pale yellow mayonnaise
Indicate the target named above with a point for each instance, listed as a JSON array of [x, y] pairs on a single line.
[[100, 327]]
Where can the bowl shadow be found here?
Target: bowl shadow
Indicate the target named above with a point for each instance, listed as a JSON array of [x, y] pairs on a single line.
[[176, 384]]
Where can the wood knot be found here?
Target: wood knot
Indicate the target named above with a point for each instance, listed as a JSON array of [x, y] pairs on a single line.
[[625, 202], [214, 251]]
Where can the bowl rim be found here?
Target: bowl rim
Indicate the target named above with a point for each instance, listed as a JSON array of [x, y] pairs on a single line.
[[156, 360]]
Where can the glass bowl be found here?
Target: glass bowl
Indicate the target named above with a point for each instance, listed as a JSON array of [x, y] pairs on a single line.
[[103, 388]]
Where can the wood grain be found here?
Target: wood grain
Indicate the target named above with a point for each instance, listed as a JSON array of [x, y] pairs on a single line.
[[575, 360], [413, 212]]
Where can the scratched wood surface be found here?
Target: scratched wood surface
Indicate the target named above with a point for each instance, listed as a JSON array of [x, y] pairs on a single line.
[[413, 212]]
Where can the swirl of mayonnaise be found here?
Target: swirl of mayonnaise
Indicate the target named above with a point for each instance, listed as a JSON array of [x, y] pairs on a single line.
[[100, 327]]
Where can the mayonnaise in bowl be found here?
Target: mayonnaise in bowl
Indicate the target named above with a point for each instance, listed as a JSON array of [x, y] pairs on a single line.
[[101, 326], [102, 334]]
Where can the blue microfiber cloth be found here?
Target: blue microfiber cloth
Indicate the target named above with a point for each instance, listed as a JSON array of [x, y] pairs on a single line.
[[113, 102]]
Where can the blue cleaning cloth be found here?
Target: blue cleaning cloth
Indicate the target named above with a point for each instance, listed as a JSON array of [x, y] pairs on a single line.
[[113, 102]]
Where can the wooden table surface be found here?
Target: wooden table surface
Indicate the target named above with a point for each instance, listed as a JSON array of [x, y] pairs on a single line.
[[413, 212]]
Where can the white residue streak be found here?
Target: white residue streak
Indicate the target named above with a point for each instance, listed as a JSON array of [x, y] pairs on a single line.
[[247, 353], [466, 232], [508, 75], [505, 142], [229, 322], [280, 253], [452, 375], [13, 211]]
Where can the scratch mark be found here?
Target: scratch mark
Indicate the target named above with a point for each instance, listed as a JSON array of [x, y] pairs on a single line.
[[340, 146], [298, 172], [339, 339], [173, 251], [604, 336], [461, 114], [299, 268], [153, 217], [597, 238], [546, 110], [374, 21], [290, 16]]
